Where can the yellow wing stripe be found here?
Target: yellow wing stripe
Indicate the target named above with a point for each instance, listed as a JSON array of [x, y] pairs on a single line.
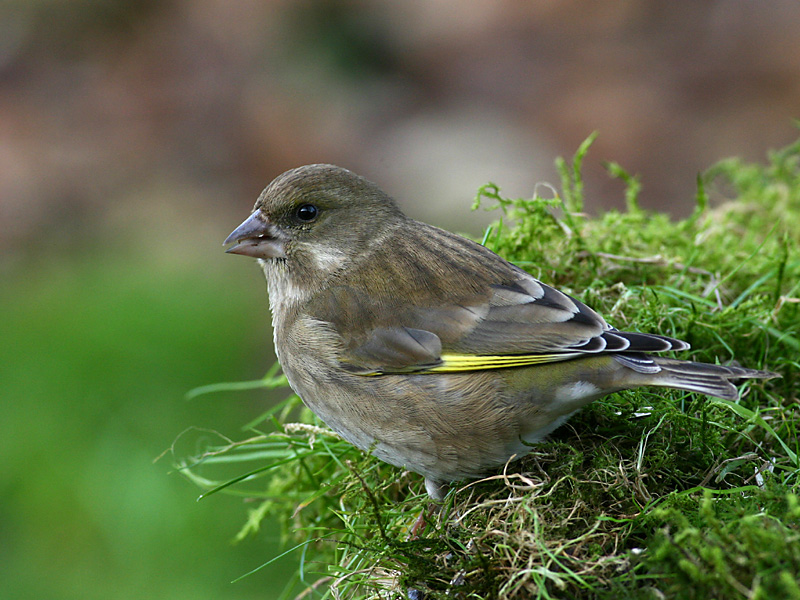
[[463, 363], [455, 363]]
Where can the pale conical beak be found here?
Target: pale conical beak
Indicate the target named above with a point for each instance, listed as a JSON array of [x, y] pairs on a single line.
[[257, 237]]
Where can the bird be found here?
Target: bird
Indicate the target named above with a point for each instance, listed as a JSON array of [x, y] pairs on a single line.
[[426, 348]]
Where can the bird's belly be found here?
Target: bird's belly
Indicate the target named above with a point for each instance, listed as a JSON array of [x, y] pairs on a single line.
[[446, 426]]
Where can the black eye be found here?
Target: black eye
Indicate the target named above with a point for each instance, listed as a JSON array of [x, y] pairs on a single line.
[[307, 213]]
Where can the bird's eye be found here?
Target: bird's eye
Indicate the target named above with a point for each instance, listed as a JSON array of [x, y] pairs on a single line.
[[307, 213]]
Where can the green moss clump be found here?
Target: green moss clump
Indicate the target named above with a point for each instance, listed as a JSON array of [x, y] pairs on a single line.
[[727, 547]]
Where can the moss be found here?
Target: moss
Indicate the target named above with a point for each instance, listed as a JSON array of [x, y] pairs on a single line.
[[644, 494], [742, 545]]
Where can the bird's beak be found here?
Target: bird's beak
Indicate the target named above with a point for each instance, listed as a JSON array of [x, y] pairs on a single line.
[[257, 237]]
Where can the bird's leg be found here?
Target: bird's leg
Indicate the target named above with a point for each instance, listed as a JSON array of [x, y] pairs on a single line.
[[422, 520]]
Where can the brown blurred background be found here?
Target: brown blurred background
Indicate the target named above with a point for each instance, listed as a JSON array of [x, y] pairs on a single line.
[[106, 106], [134, 136]]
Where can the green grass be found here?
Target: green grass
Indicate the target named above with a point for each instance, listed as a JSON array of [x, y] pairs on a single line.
[[98, 349], [644, 494]]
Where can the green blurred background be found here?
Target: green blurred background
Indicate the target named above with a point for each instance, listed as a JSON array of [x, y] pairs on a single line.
[[134, 136]]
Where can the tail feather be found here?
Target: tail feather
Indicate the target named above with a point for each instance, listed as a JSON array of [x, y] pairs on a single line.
[[713, 380]]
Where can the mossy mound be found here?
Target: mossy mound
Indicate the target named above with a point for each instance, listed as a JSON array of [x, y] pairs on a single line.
[[644, 494]]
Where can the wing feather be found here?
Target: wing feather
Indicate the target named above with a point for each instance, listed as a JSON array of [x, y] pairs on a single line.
[[464, 310]]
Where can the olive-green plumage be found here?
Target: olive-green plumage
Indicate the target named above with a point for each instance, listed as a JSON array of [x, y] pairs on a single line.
[[425, 347]]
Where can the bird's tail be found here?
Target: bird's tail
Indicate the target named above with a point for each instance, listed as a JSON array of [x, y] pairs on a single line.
[[713, 380]]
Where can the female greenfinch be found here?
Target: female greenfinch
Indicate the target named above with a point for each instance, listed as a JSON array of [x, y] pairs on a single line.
[[428, 349]]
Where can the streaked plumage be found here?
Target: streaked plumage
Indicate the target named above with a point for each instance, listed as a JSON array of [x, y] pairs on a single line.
[[425, 347]]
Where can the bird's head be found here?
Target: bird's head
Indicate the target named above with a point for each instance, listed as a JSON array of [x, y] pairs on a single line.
[[315, 220]]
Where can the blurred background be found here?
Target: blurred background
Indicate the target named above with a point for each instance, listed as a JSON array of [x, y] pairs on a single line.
[[134, 136]]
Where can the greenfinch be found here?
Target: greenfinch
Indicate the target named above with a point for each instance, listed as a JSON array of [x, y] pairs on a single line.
[[426, 348]]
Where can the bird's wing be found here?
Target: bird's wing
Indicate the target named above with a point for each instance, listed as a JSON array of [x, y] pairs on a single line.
[[522, 323], [437, 302], [526, 316]]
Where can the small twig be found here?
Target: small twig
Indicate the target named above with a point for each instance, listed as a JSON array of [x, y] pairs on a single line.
[[372, 500], [652, 260], [715, 470], [313, 587]]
